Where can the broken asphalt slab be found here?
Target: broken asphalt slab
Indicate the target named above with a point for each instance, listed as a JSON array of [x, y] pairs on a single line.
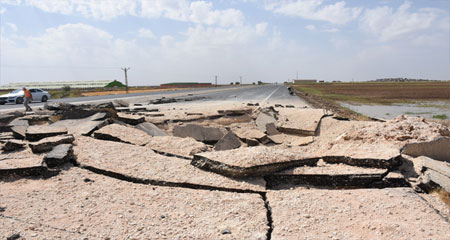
[[200, 133], [12, 145], [302, 122], [21, 164], [254, 161], [151, 129], [326, 175], [47, 144], [38, 132], [176, 146], [354, 214], [99, 207], [227, 142], [142, 163], [119, 133], [438, 149], [130, 119], [59, 155]]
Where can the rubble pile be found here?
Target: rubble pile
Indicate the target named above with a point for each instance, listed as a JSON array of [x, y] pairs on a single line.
[[122, 170]]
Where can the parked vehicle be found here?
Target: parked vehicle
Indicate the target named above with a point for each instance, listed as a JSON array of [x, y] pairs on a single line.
[[16, 96]]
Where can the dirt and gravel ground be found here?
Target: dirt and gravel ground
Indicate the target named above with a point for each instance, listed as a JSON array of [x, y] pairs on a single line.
[[125, 183]]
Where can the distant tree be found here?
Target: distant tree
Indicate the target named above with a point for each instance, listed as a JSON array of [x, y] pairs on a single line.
[[254, 83], [237, 83], [231, 83], [114, 83], [259, 82]]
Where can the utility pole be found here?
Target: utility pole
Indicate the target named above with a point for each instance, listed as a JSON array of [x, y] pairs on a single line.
[[240, 80], [297, 76], [126, 77], [216, 80]]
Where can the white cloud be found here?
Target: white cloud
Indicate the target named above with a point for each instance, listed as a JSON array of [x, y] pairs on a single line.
[[197, 12], [261, 28], [387, 24], [311, 27], [12, 26], [146, 33], [336, 13], [201, 12]]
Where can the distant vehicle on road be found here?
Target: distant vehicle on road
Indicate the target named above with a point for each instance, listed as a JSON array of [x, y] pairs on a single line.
[[16, 96]]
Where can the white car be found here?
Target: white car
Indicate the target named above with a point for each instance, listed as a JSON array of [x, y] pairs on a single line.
[[16, 96]]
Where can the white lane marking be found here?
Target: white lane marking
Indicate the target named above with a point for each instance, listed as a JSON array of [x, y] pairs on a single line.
[[270, 95]]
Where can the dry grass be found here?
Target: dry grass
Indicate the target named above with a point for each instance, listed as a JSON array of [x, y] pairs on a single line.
[[380, 93]]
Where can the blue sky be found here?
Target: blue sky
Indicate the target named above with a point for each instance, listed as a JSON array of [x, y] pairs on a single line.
[[180, 40]]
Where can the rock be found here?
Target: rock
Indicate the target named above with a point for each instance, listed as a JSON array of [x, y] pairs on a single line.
[[13, 145], [227, 142], [225, 231], [255, 161], [119, 133], [60, 155], [203, 134], [438, 149], [271, 129], [291, 140], [14, 236], [151, 129], [299, 121], [251, 135], [47, 144], [38, 132], [121, 103], [130, 119], [19, 131]]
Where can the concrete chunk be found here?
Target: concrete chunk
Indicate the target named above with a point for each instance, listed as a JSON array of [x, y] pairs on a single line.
[[250, 136], [299, 121], [38, 132], [438, 149], [47, 144], [432, 178], [254, 161], [19, 131], [199, 133], [60, 155], [119, 133], [263, 119]]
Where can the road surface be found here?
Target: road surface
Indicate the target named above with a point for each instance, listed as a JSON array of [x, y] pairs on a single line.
[[270, 94]]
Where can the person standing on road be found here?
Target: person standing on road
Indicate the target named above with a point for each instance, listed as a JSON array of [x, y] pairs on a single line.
[[28, 98]]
